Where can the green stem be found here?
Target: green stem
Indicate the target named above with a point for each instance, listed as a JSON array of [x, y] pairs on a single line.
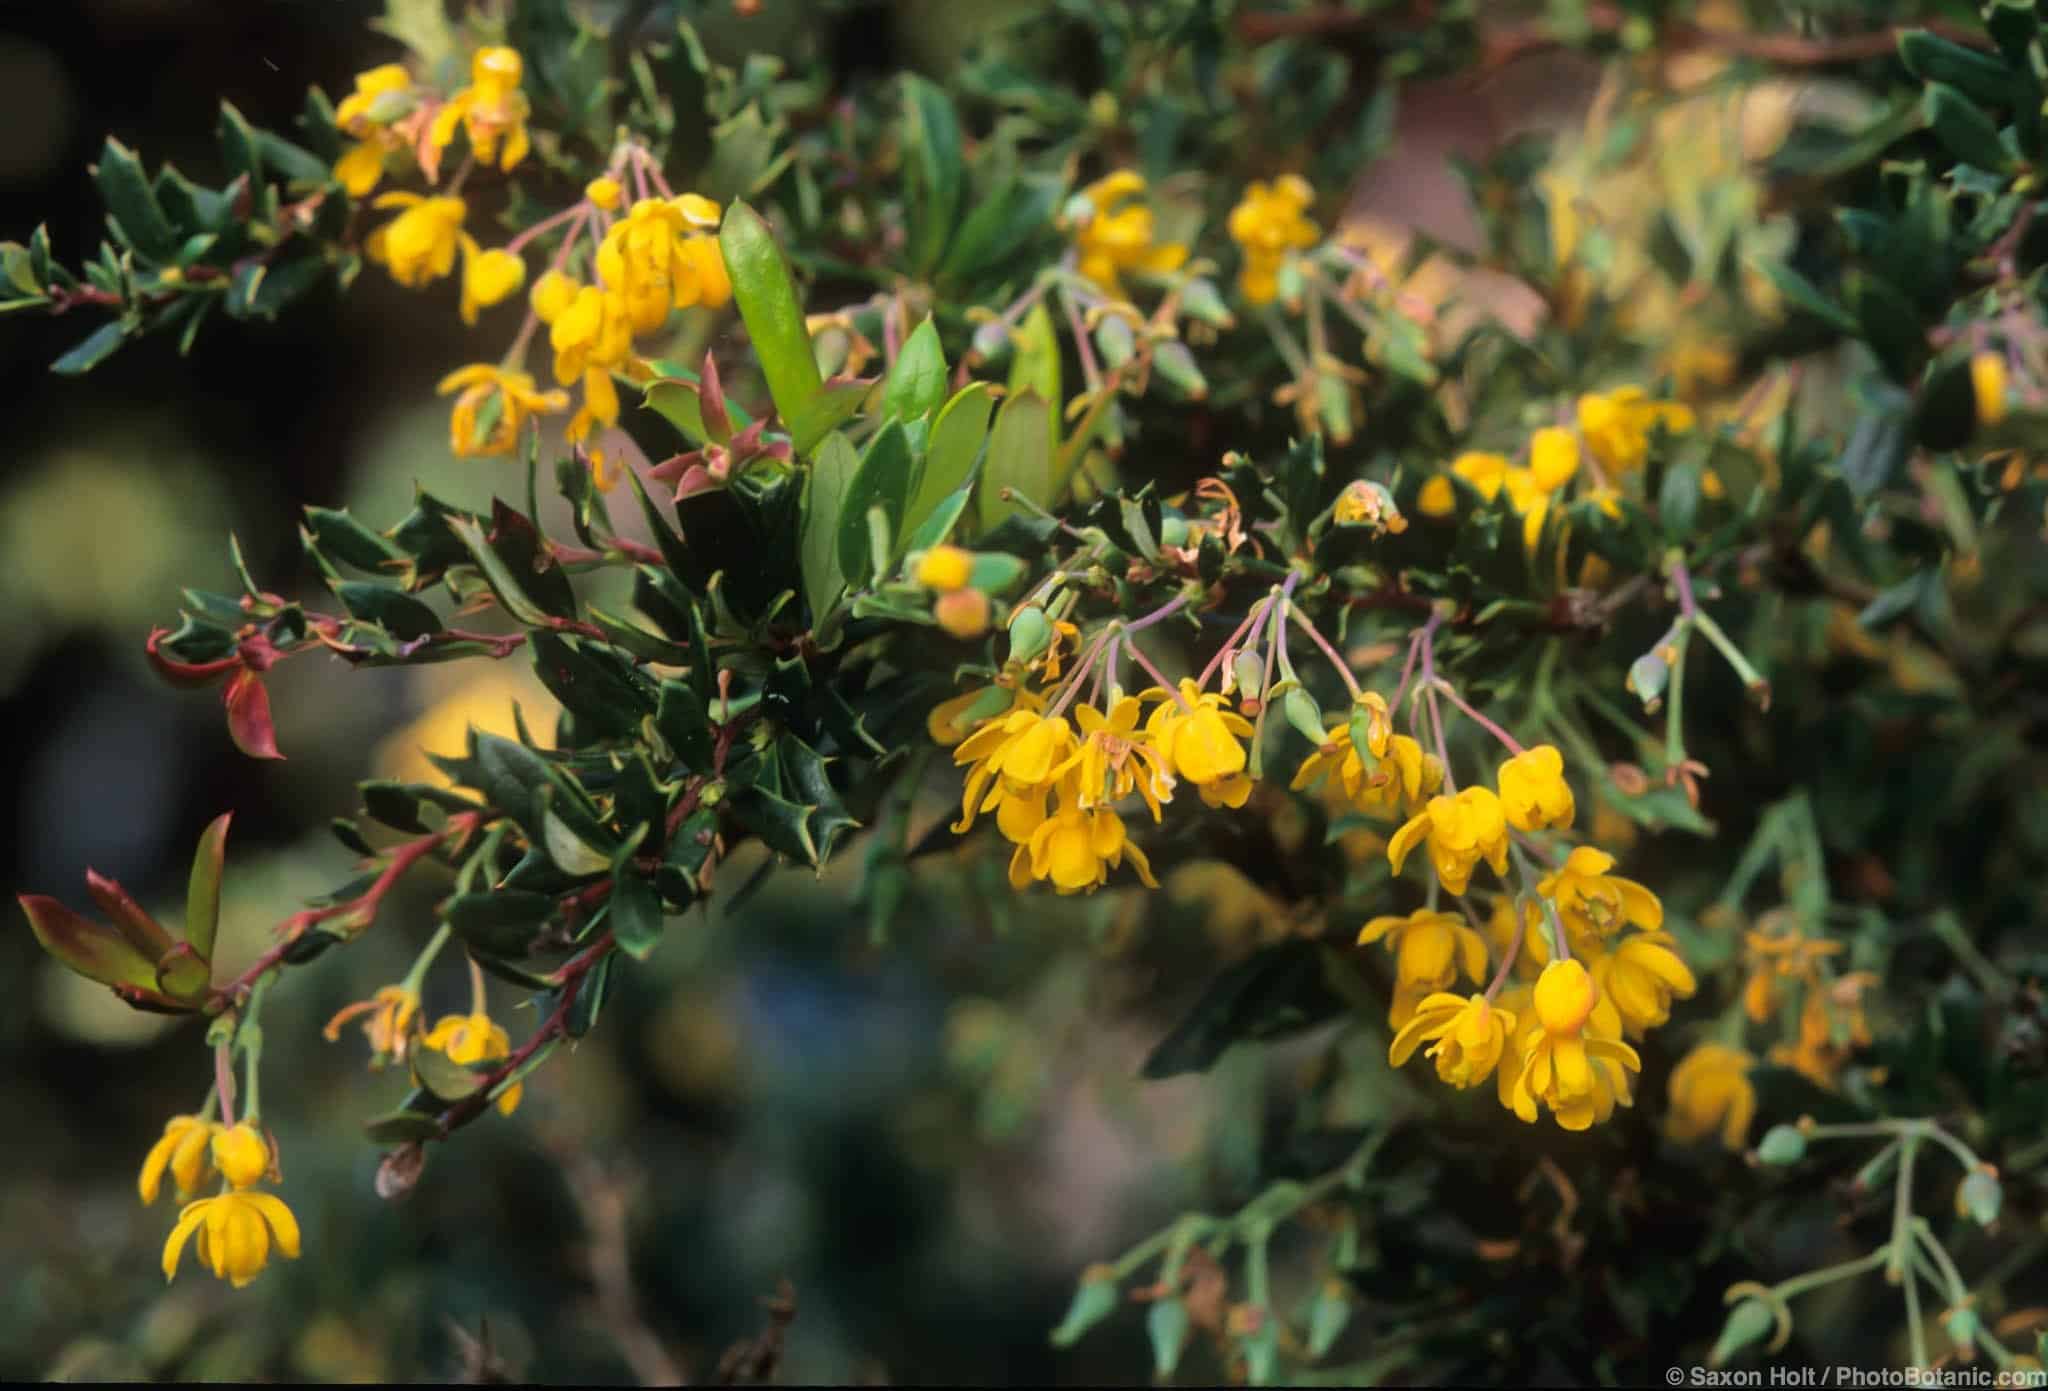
[[1727, 648], [417, 976], [1674, 710], [1988, 977], [1814, 1279], [249, 1041]]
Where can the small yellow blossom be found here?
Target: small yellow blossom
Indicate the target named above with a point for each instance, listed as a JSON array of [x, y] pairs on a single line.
[[1485, 472], [1617, 425], [241, 1155], [1534, 795], [1115, 758], [1402, 776], [1641, 976], [235, 1233], [1553, 457], [1430, 948], [1470, 1035], [492, 408], [1591, 900], [945, 567], [388, 1027], [1987, 385], [1114, 235], [1437, 498], [551, 295], [1459, 831], [487, 277], [1198, 735], [605, 192], [1568, 1056], [1011, 759], [366, 114], [418, 246], [1710, 1090], [490, 110], [1269, 224], [475, 1038], [1075, 848], [184, 1149]]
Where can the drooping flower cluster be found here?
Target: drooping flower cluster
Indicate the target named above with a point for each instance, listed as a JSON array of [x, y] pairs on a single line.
[[1269, 224], [236, 1228], [1827, 1022], [1113, 234]]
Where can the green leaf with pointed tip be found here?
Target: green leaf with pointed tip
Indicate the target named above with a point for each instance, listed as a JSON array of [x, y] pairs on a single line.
[[882, 480], [393, 610], [766, 295], [824, 500], [239, 148], [636, 918], [916, 385], [1019, 458], [679, 403], [92, 949], [132, 204], [1095, 1299], [509, 775], [933, 170], [686, 725], [401, 1128], [97, 347], [605, 694], [496, 573], [1002, 222], [949, 457], [502, 922], [202, 890], [1963, 126], [835, 403], [340, 536]]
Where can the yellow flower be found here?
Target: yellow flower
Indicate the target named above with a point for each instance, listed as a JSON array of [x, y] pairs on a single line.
[[1403, 776], [391, 1013], [1115, 759], [944, 567], [1470, 1036], [1485, 472], [1429, 949], [551, 294], [1269, 223], [490, 109], [1460, 831], [417, 246], [241, 1155], [1534, 795], [1617, 425], [474, 1038], [1710, 1090], [589, 333], [492, 408], [185, 1149], [366, 114], [1591, 900], [235, 1233], [1641, 976], [1011, 758], [656, 259], [1553, 457], [487, 277], [1113, 236], [1568, 1061], [1987, 384], [1198, 735], [1076, 848], [1437, 498], [605, 192]]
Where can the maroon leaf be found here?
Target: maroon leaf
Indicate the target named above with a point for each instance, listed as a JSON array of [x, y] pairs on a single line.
[[143, 932], [93, 949], [249, 715]]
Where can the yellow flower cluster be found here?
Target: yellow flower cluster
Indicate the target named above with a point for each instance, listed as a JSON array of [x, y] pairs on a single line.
[[1710, 1091], [1556, 1043], [1389, 775], [369, 114], [387, 113], [236, 1228], [1611, 432], [1269, 224], [491, 110], [1830, 1024], [475, 1038], [1114, 236]]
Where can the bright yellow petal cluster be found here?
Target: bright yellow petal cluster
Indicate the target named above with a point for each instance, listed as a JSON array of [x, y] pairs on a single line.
[[475, 1038], [382, 96], [418, 246], [1270, 223], [1534, 795], [1399, 779], [1198, 734], [494, 405], [1617, 425], [1593, 902], [1642, 975], [186, 1150], [1430, 948], [1570, 1055], [491, 110], [236, 1231], [1467, 1037], [1710, 1090], [1459, 832], [389, 1015], [1113, 234]]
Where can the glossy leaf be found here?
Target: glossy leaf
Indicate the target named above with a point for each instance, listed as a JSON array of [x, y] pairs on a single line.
[[824, 503], [766, 294], [1019, 458], [950, 452], [933, 170], [916, 384], [881, 481], [92, 949]]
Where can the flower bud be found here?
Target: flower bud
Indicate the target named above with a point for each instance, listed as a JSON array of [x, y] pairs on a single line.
[[1305, 715], [1199, 299], [1115, 341], [963, 613], [1782, 1144], [1747, 1322], [241, 1155], [1987, 383], [1647, 677], [944, 568], [1030, 633], [1249, 673], [1979, 1196], [991, 341], [1173, 361]]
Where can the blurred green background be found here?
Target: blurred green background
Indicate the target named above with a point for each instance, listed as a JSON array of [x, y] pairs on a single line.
[[928, 1139]]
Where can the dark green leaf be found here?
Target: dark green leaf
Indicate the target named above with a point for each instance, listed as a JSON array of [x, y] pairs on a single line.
[[766, 295], [132, 204], [916, 385], [97, 347], [826, 485], [503, 922], [397, 612], [1278, 990], [932, 169], [636, 915], [882, 480]]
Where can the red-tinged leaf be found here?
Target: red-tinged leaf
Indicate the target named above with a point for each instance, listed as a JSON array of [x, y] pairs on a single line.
[[183, 975], [249, 715], [202, 895], [190, 675], [149, 1001], [93, 949], [143, 932], [711, 398]]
